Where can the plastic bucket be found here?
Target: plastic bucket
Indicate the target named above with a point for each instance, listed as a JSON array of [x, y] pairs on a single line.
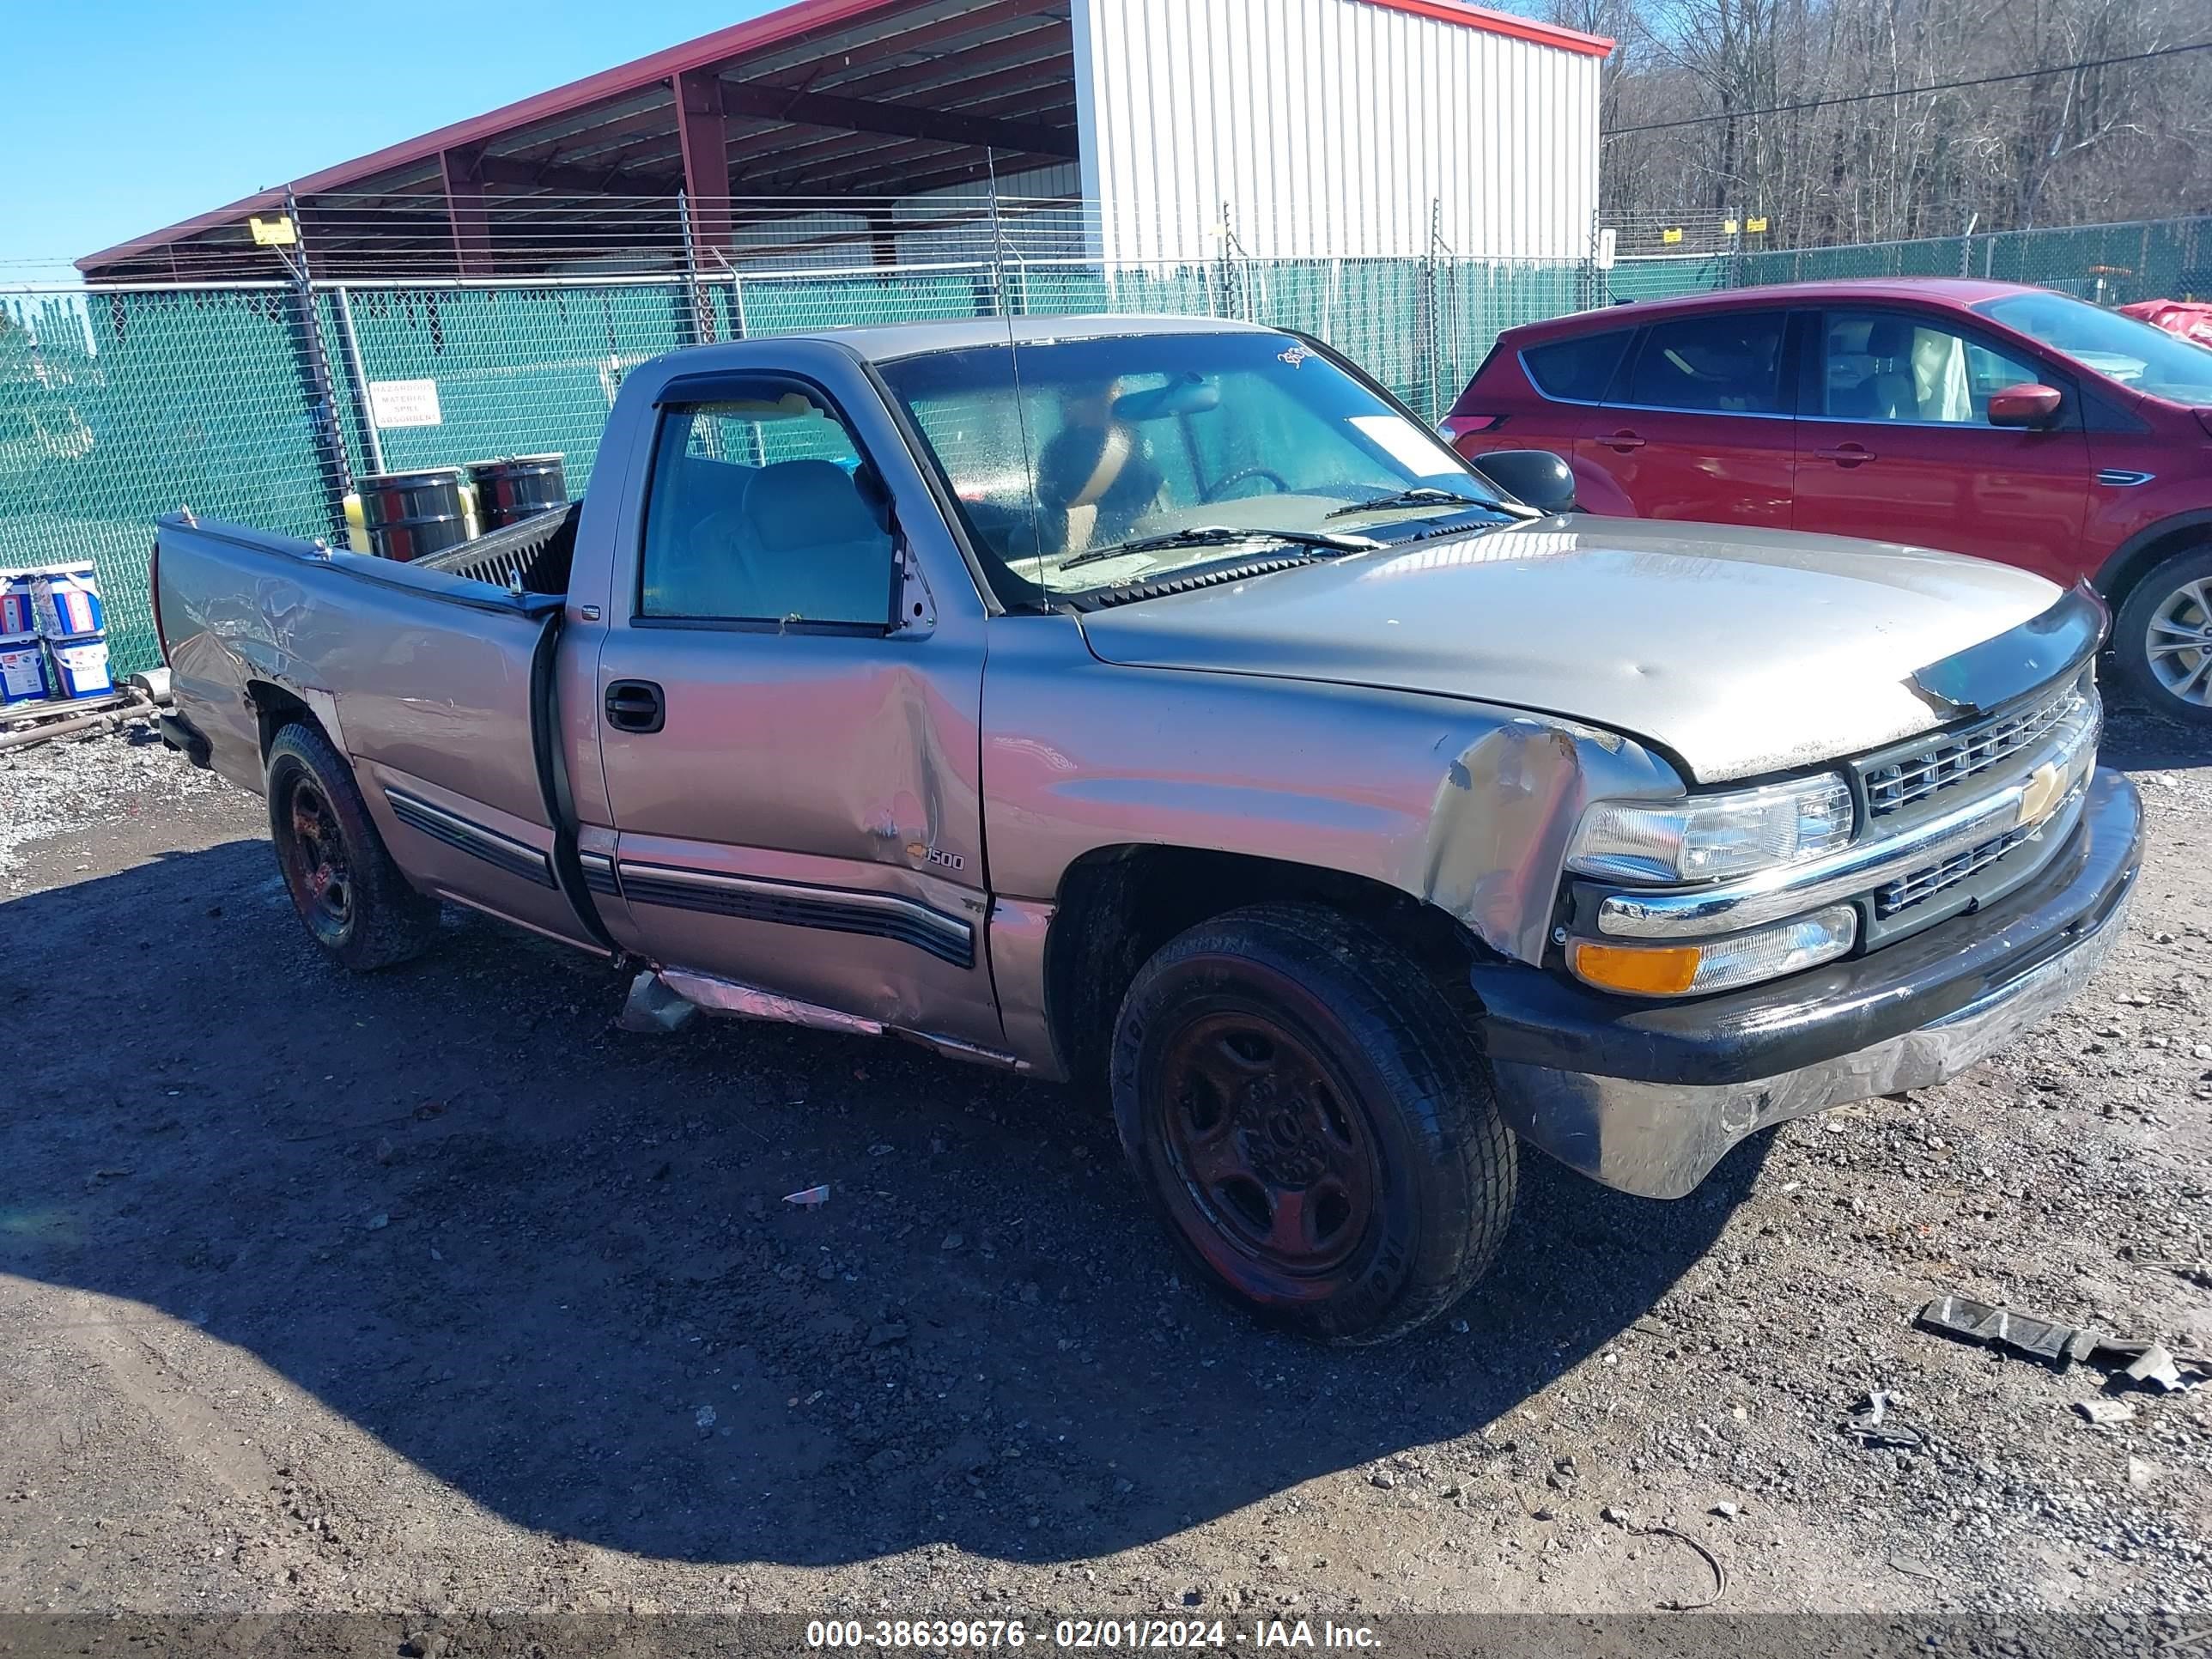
[[411, 515], [65, 601], [81, 667], [23, 669], [17, 616], [517, 487]]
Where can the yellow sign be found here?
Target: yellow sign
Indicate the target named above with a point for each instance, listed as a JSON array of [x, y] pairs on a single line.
[[1671, 234], [1727, 227], [279, 232], [1755, 226]]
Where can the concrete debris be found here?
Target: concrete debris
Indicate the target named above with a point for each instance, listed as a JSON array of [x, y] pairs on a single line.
[[2001, 1328], [2156, 1368], [2147, 1362], [1871, 1424], [2104, 1412]]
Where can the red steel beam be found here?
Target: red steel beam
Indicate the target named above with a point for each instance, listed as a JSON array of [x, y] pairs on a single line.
[[702, 133], [822, 109], [462, 170]]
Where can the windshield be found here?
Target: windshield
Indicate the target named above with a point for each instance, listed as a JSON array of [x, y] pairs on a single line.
[[1147, 453], [2135, 353]]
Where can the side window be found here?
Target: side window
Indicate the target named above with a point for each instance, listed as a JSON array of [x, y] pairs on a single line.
[[1728, 364], [1579, 369], [758, 513], [1884, 366]]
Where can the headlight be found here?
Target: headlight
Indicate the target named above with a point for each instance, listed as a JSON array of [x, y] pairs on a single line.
[[1709, 836], [1721, 965]]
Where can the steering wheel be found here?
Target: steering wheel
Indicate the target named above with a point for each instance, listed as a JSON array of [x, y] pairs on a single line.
[[1219, 491]]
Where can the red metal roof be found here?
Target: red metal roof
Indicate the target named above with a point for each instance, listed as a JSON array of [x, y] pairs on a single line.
[[1505, 23], [774, 28], [621, 120]]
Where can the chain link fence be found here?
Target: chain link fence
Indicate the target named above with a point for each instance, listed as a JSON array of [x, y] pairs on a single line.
[[253, 403]]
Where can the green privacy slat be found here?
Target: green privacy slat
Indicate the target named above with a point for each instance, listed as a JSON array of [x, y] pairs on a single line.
[[116, 406]]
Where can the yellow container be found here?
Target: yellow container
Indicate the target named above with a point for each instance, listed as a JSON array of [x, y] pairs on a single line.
[[356, 525]]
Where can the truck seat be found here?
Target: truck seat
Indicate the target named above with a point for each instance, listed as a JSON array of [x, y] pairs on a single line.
[[814, 548]]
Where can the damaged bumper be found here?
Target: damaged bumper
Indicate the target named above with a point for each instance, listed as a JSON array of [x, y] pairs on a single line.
[[1648, 1098]]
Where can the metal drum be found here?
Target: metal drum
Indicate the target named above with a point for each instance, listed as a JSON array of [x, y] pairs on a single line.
[[411, 515], [517, 487]]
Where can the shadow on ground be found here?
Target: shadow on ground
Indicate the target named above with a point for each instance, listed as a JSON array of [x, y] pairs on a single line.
[[549, 1261]]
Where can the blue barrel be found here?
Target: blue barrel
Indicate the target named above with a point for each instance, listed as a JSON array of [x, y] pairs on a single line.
[[17, 616], [81, 666], [23, 669], [65, 601]]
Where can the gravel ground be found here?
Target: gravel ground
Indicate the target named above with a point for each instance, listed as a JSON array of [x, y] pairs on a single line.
[[432, 1291]]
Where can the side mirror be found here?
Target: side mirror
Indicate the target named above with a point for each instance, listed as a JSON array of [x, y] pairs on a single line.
[[2024, 405], [1536, 476]]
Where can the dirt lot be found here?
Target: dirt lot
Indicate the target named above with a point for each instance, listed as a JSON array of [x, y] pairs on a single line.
[[433, 1291]]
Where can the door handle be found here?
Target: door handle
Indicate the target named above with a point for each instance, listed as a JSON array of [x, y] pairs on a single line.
[[1846, 454], [1623, 441], [635, 706]]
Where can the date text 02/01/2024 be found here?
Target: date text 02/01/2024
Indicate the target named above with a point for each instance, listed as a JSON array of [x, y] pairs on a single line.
[[1084, 1634]]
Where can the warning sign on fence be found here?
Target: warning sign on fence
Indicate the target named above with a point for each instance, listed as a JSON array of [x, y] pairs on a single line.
[[404, 402]]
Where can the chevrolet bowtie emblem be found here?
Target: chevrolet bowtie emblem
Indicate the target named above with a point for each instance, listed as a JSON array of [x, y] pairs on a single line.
[[2040, 793]]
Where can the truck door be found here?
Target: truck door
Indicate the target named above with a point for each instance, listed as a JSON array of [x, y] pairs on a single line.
[[791, 766]]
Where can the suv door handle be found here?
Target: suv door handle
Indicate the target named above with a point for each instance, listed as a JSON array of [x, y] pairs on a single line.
[[1846, 454], [635, 706], [1624, 441]]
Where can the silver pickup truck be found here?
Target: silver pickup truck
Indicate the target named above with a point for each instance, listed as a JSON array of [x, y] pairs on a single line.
[[1153, 701]]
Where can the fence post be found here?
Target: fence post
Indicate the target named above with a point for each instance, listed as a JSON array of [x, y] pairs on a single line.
[[372, 444], [317, 393], [699, 302]]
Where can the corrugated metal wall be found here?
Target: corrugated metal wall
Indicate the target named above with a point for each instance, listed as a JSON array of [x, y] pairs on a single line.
[[1329, 127]]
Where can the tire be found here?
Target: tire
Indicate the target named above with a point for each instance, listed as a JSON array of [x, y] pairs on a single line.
[[2175, 598], [1313, 1122], [348, 892]]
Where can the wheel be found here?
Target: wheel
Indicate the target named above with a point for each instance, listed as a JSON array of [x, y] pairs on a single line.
[[1313, 1121], [2163, 637], [355, 903], [1221, 490]]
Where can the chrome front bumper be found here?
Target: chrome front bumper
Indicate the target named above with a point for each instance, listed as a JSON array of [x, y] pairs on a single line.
[[1648, 1101]]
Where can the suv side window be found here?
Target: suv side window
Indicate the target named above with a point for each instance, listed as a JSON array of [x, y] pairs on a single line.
[[1886, 366], [761, 510], [1727, 363], [1578, 370]]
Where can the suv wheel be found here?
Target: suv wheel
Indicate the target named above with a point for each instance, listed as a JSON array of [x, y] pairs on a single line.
[[1314, 1121], [2163, 637]]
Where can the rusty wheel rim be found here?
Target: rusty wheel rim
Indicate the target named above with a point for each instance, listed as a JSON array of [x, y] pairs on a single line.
[[1269, 1154], [317, 859]]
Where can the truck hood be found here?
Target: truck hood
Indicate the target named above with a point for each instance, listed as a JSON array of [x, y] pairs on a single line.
[[1740, 651]]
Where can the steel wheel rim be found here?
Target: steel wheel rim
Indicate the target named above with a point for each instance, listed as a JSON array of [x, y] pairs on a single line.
[[2179, 642], [1269, 1154], [317, 857]]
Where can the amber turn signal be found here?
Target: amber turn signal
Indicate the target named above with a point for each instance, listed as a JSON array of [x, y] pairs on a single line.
[[1650, 970]]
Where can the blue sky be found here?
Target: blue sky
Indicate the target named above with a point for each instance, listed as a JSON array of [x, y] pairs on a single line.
[[121, 116]]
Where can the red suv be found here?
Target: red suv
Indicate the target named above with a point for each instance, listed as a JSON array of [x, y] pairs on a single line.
[[2012, 423]]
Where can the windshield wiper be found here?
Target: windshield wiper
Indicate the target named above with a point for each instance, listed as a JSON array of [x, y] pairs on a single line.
[[1419, 495], [1219, 535]]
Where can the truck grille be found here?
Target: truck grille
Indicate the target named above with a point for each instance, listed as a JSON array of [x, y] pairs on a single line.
[[1908, 890], [1904, 781]]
